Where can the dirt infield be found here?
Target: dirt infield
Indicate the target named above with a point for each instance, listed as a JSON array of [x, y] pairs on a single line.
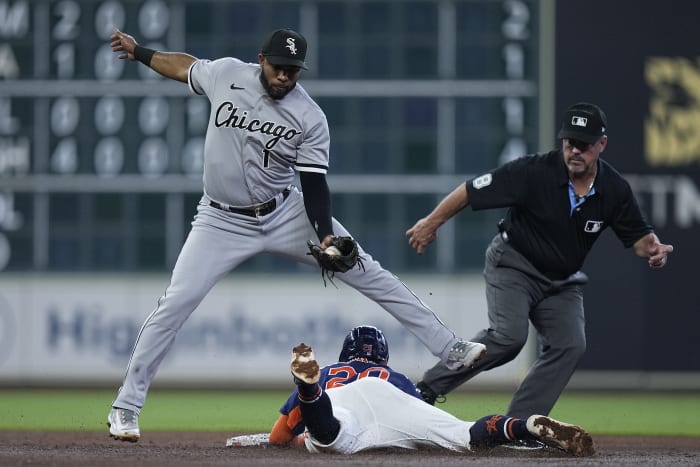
[[208, 449]]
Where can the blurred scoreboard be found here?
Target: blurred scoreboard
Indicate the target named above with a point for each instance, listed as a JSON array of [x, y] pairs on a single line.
[[71, 115], [75, 121], [85, 138]]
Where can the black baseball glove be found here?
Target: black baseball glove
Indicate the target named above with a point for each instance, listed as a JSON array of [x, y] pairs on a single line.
[[331, 261]]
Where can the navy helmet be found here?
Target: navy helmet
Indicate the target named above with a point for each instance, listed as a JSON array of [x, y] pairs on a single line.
[[365, 342]]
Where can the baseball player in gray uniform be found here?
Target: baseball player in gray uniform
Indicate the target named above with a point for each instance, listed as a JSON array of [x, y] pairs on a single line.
[[262, 128]]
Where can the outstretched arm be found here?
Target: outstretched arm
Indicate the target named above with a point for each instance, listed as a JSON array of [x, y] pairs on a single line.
[[281, 435], [425, 230], [173, 65], [650, 247]]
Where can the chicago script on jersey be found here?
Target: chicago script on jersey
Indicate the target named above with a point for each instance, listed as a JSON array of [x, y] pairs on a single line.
[[226, 116]]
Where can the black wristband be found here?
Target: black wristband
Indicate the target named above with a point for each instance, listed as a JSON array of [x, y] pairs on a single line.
[[143, 55]]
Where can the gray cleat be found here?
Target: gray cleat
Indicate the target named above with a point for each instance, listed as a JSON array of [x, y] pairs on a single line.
[[464, 353], [123, 424]]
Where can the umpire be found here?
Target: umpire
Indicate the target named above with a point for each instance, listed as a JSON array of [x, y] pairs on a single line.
[[558, 205]]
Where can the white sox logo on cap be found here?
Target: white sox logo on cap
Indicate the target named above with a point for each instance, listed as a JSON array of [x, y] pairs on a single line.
[[285, 47], [291, 46]]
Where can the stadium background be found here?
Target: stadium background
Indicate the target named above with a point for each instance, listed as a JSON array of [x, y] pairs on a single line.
[[100, 166]]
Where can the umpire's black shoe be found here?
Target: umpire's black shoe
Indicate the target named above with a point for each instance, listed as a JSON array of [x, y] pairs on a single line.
[[426, 393], [524, 445]]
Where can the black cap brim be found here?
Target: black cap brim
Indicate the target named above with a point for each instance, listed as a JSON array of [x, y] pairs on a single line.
[[585, 137], [276, 60]]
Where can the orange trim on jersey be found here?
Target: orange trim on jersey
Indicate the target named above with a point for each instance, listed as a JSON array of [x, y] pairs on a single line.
[[281, 433], [294, 418]]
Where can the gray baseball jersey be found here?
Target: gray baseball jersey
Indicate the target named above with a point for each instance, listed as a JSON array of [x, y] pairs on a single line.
[[254, 142]]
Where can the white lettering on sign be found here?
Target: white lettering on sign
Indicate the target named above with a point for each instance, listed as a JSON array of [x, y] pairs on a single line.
[[9, 125], [14, 155], [668, 199], [9, 218], [9, 68], [14, 19]]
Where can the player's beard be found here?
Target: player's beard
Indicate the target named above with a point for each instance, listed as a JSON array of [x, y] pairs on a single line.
[[581, 169], [275, 92]]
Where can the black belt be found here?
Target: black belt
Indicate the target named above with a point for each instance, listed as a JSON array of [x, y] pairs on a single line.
[[261, 209]]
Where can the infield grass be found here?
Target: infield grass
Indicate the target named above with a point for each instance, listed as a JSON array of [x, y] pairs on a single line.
[[626, 413]]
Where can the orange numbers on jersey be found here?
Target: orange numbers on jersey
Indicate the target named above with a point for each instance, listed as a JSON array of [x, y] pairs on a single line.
[[342, 375]]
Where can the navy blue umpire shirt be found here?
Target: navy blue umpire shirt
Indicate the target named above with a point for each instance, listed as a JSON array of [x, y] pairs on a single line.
[[544, 223]]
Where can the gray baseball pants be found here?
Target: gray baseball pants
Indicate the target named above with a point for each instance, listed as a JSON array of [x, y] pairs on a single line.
[[516, 293], [218, 242]]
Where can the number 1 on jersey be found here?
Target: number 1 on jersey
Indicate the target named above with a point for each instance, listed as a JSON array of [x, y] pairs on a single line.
[[266, 158]]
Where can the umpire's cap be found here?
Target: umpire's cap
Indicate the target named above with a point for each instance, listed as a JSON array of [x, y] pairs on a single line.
[[584, 122], [285, 47]]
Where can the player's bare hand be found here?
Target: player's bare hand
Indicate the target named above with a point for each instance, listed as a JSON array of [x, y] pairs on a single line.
[[326, 242], [122, 42], [422, 234]]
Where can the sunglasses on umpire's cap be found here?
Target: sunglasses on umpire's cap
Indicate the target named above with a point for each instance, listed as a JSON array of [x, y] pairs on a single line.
[[285, 47], [584, 122]]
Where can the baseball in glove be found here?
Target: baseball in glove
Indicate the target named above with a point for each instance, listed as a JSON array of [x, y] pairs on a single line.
[[341, 255]]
